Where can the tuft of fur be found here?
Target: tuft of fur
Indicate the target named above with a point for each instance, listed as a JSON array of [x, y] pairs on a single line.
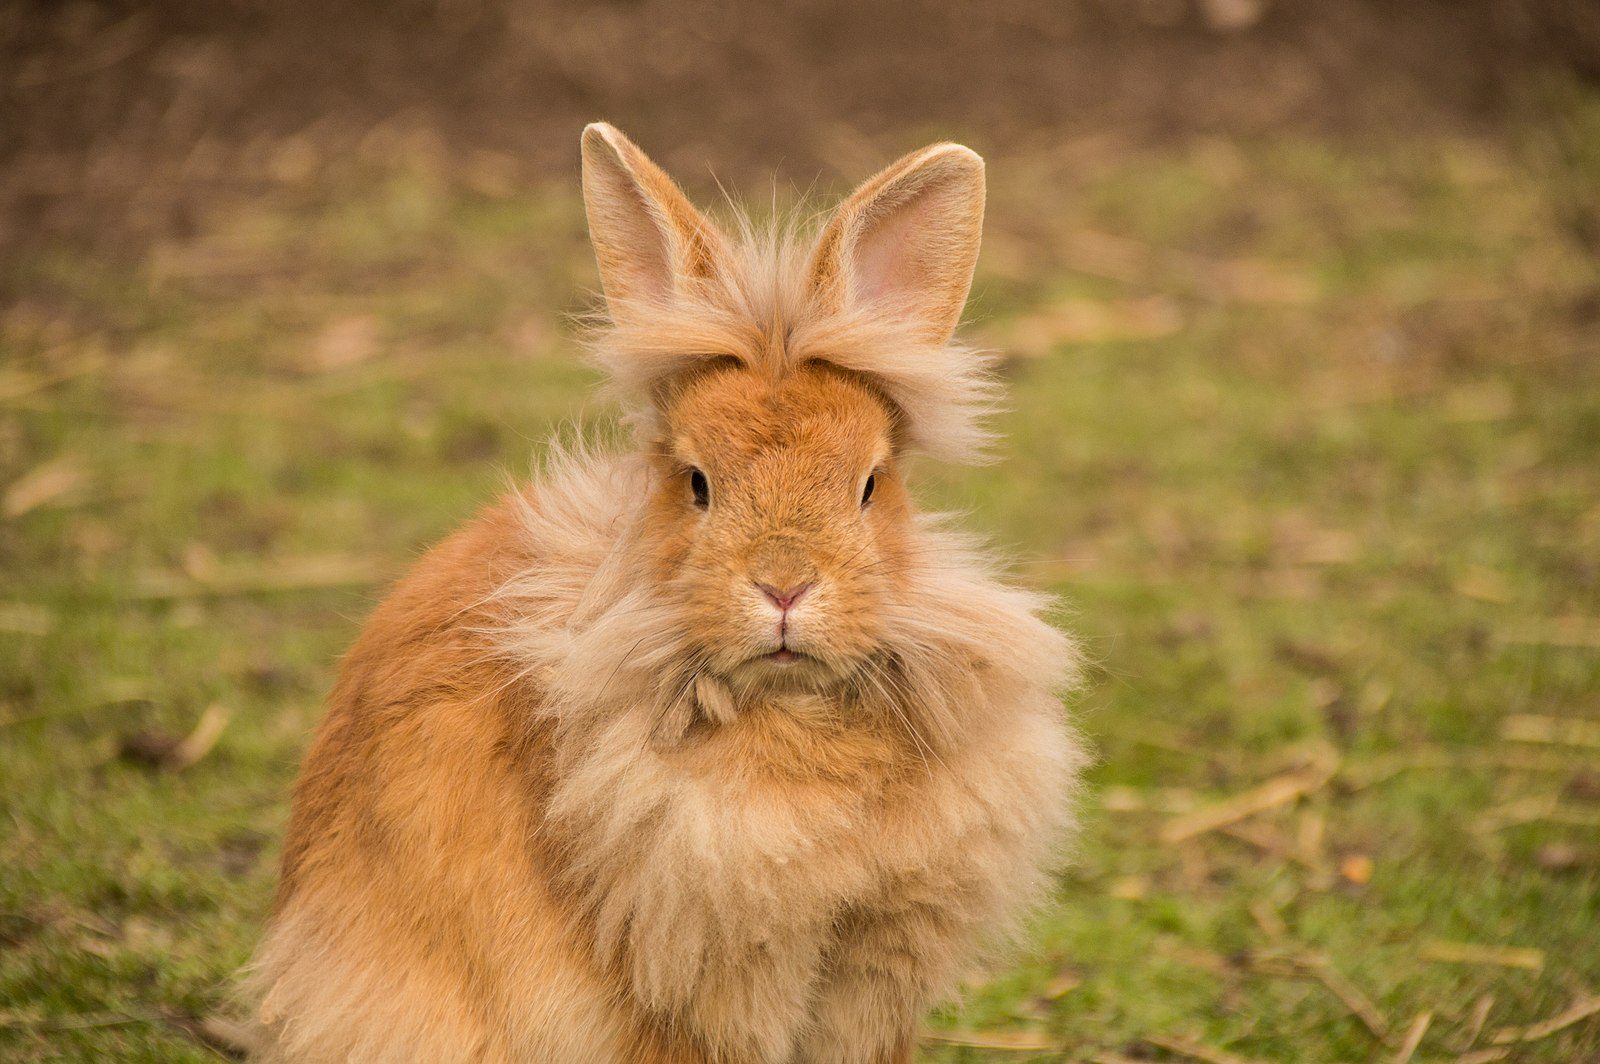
[[762, 311], [570, 803]]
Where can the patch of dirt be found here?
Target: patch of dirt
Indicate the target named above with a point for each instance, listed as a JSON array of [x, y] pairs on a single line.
[[121, 120]]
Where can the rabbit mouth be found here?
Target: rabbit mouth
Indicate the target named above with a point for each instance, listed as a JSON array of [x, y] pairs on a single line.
[[786, 657]]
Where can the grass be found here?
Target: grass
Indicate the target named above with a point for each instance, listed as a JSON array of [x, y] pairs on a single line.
[[1306, 436]]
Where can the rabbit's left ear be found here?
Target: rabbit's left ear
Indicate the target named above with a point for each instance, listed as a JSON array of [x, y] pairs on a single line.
[[648, 239], [907, 240]]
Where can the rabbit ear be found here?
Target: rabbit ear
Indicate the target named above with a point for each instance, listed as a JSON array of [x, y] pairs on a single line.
[[907, 239], [648, 238]]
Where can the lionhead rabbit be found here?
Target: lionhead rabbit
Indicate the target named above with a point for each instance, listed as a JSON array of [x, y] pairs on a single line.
[[712, 752]]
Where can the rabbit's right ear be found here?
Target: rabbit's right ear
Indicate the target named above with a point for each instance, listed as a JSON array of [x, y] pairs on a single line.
[[648, 239]]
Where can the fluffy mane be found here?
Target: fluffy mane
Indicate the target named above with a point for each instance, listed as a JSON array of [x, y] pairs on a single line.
[[959, 637], [967, 655], [760, 308]]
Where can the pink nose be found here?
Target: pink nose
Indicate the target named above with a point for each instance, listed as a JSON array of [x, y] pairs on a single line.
[[784, 598]]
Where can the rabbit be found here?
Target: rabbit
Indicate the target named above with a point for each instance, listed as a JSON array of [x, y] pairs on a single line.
[[714, 750]]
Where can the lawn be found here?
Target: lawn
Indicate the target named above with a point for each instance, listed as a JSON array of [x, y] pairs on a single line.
[[1305, 435]]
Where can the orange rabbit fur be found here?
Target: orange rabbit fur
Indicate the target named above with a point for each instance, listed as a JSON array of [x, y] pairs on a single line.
[[715, 751]]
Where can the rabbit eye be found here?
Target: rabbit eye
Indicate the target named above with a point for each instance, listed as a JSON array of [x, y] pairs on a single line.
[[701, 488], [866, 492]]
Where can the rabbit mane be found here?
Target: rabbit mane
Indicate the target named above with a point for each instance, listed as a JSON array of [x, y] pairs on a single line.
[[958, 635], [673, 886]]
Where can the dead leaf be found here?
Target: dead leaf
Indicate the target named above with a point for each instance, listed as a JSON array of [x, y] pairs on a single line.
[[199, 562], [51, 482], [1584, 786], [1063, 984], [1130, 888], [1483, 584], [174, 754], [1357, 869], [1558, 857], [1232, 16], [344, 343]]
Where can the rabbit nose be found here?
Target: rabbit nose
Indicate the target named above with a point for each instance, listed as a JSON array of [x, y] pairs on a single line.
[[784, 598]]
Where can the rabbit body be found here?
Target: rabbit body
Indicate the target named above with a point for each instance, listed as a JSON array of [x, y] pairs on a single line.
[[715, 752]]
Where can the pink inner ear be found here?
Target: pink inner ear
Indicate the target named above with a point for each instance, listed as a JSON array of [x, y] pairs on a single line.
[[641, 252], [887, 262]]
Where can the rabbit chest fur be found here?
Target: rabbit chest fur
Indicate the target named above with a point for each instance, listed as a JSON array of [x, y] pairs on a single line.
[[799, 881]]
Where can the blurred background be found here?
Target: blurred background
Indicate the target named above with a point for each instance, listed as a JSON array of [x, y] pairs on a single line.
[[1300, 309]]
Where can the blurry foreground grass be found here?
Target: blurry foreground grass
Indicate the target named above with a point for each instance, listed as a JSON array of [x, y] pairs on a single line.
[[1308, 438]]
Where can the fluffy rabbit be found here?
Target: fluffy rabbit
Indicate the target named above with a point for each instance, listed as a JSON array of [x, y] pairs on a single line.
[[716, 751]]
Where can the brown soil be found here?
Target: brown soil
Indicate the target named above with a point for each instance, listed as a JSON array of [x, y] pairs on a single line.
[[120, 119]]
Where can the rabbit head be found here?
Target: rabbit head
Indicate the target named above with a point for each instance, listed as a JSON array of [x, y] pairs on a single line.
[[777, 384]]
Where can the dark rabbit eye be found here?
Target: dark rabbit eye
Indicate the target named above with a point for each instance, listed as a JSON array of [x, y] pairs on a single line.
[[866, 492], [701, 488]]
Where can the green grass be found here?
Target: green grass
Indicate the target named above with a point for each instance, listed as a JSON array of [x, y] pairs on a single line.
[[1313, 456]]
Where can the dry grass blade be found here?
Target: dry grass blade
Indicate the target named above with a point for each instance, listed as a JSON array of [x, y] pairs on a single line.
[[19, 384], [1579, 632], [1475, 1021], [1137, 800], [1078, 321], [1579, 1011], [1538, 760], [50, 482], [344, 343], [1483, 1056], [1413, 1038], [160, 751], [1351, 996], [1556, 731], [228, 1036], [295, 574], [82, 1021], [1476, 953], [1537, 808], [1193, 1050], [1062, 985], [22, 618], [1011, 1041], [199, 742], [1280, 790], [1267, 918]]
